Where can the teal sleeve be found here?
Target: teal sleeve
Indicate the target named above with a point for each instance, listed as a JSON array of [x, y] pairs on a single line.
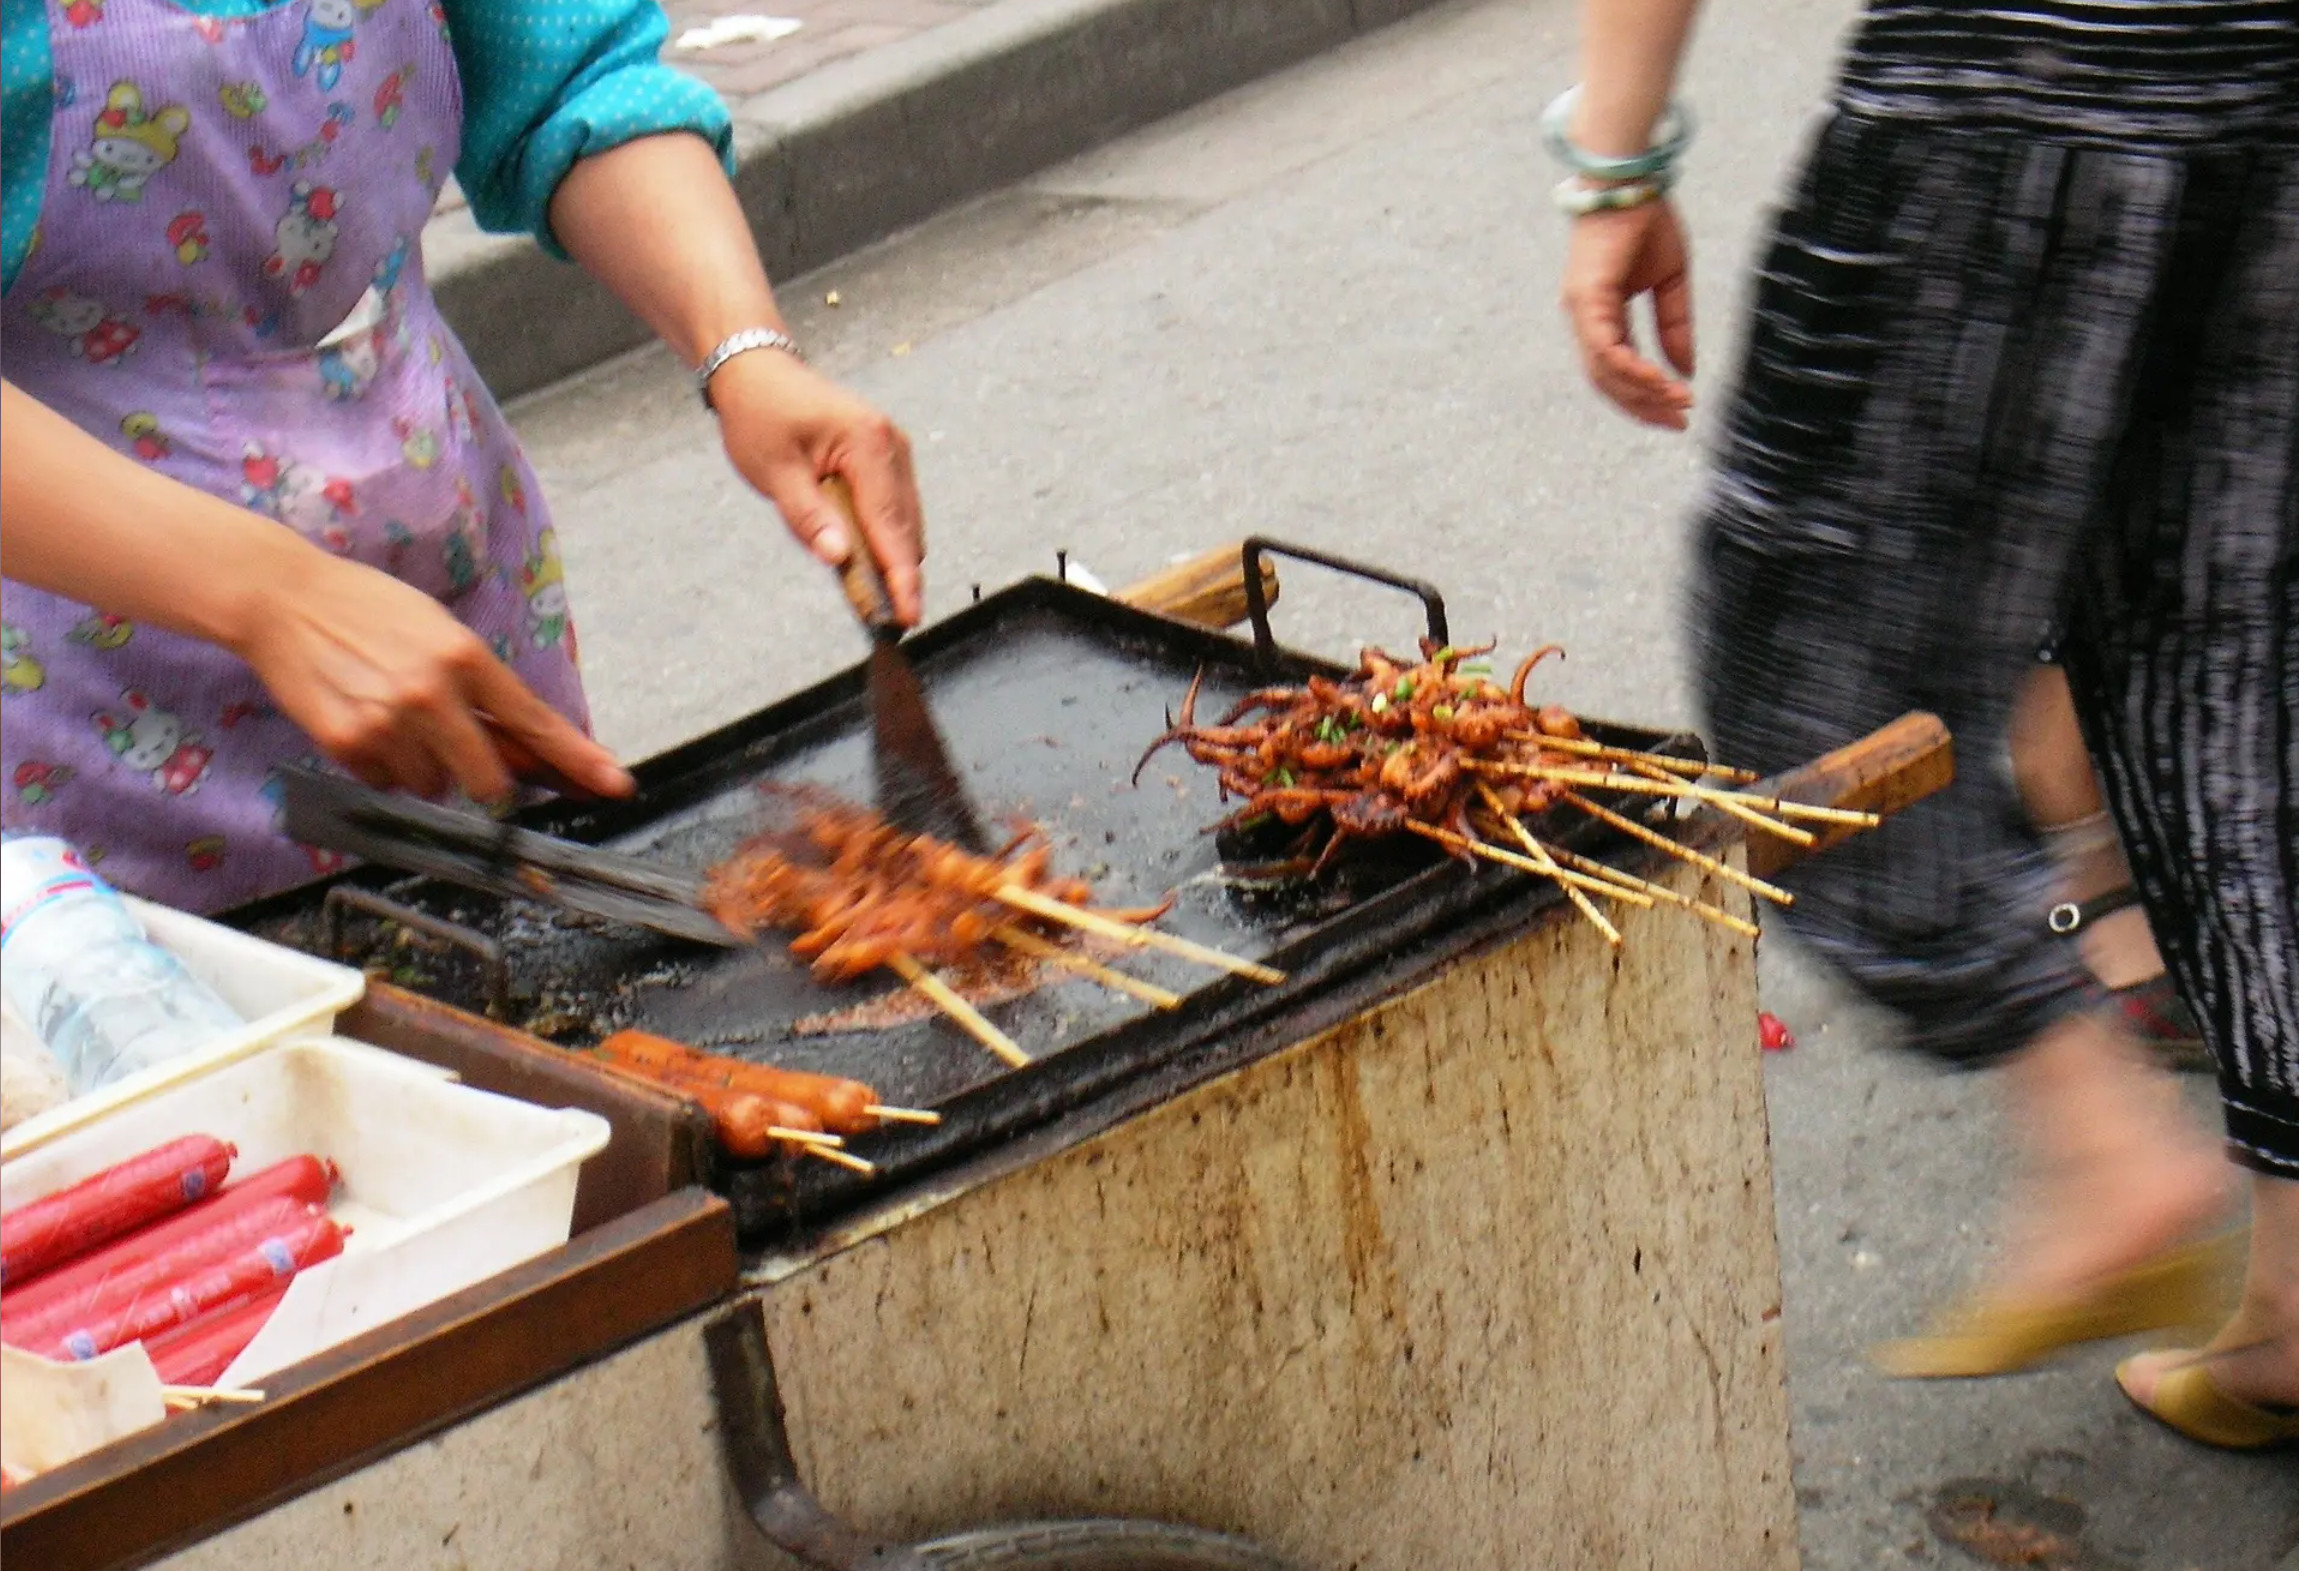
[[548, 82], [27, 106]]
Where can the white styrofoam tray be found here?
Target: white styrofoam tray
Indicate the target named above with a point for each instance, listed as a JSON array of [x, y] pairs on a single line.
[[280, 993], [443, 1186]]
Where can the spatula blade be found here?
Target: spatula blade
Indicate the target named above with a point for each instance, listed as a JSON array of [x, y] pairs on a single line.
[[918, 791]]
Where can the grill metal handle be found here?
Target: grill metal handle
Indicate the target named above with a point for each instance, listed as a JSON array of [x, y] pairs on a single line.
[[1257, 598]]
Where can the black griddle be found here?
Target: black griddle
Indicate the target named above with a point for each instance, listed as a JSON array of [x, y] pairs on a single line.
[[1048, 694]]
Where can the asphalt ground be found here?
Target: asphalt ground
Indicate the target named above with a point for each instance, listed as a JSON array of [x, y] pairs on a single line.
[[1322, 308]]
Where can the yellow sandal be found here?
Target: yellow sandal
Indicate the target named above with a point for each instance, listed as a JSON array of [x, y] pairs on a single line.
[[2188, 1400], [2192, 1286]]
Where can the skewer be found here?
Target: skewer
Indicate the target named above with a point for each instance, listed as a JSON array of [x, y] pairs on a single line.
[[1700, 908], [805, 1137], [902, 1115], [181, 1397], [1627, 755], [1661, 892], [1700, 859], [1539, 861], [1666, 785], [1029, 943], [1545, 866], [945, 998], [1525, 864], [842, 1158], [1135, 937], [1729, 802]]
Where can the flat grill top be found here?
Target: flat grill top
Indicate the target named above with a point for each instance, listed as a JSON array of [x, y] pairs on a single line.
[[1047, 695]]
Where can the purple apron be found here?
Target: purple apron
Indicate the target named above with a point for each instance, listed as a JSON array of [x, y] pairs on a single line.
[[228, 285]]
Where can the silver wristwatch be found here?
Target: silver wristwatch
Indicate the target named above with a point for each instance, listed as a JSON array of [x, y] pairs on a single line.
[[742, 343]]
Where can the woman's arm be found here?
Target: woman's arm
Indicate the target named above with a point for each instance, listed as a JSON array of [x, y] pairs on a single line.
[[656, 221], [1630, 50], [384, 680]]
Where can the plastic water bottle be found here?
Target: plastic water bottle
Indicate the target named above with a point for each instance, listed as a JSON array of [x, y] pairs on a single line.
[[76, 964]]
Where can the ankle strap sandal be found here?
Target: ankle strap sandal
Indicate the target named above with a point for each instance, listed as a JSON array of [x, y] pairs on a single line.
[[2152, 1010]]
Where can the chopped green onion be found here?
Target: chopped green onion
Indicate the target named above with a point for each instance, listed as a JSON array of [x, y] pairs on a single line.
[[1380, 704], [1281, 776], [1441, 713], [1404, 689], [1444, 654], [1476, 668]]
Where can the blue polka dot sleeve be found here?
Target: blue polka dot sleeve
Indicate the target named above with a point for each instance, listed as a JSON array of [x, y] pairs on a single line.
[[549, 82], [27, 100]]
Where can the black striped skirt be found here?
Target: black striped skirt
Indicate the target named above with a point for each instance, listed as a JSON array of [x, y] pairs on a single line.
[[1996, 383]]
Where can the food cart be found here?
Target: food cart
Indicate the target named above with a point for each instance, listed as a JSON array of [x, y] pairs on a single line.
[[1455, 1249]]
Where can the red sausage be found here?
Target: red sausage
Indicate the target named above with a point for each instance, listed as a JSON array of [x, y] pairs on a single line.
[[132, 1277], [195, 1354], [265, 1265], [843, 1106], [305, 1179], [53, 1229]]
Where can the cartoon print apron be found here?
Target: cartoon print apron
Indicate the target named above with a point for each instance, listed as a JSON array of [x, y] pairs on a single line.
[[228, 286]]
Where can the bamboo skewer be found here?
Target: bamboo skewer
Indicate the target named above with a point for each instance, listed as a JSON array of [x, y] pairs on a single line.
[[1669, 785], [1025, 942], [805, 1137], [1542, 865], [1585, 864], [1525, 864], [902, 1115], [1629, 755], [842, 1158], [180, 1397], [1728, 802], [946, 999], [1548, 864], [1134, 937], [1699, 908], [1700, 859]]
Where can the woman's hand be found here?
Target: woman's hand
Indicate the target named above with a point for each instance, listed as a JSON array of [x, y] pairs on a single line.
[[384, 680], [1611, 259], [657, 223], [394, 689], [787, 428]]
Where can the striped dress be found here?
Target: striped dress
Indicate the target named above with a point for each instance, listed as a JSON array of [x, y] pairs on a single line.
[[2025, 352]]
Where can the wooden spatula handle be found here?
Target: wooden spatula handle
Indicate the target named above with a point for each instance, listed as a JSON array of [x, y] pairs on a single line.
[[859, 577]]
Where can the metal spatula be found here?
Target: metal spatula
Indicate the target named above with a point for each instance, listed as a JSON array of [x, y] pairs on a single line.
[[917, 789]]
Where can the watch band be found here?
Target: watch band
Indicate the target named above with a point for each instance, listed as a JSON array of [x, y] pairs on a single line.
[[742, 343]]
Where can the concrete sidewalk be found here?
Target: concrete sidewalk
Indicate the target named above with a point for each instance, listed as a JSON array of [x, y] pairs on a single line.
[[877, 114]]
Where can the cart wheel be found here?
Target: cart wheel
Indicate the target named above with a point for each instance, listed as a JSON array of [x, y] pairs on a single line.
[[1110, 1544]]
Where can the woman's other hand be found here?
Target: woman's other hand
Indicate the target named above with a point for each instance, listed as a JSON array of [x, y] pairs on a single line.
[[379, 674], [1611, 259], [787, 428], [394, 689]]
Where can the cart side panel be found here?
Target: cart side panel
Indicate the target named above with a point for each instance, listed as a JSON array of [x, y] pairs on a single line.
[[1484, 1276], [616, 1464]]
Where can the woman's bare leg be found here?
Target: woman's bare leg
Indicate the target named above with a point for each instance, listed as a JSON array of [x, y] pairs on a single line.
[[2255, 1356], [2063, 799], [2113, 1169]]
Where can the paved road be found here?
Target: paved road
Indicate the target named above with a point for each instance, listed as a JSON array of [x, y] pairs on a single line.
[[1322, 308]]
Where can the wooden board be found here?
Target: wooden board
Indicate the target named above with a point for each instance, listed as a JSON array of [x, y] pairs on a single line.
[[1208, 589]]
